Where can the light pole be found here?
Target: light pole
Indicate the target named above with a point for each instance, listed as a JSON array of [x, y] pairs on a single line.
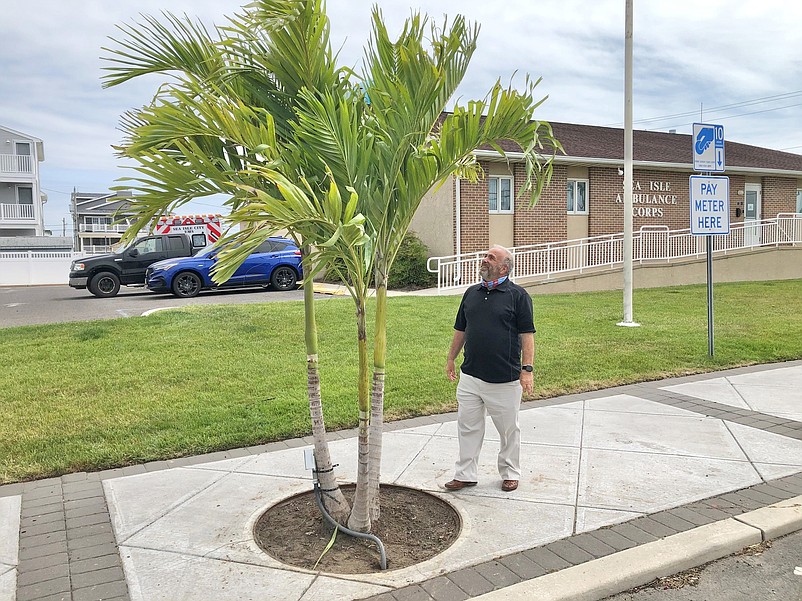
[[627, 250]]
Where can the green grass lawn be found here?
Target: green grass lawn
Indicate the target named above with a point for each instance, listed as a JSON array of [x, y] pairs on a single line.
[[94, 395]]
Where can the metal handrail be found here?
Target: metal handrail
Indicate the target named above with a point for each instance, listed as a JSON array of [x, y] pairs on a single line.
[[649, 244]]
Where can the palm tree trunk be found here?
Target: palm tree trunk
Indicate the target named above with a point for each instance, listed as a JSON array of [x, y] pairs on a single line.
[[377, 393], [360, 515], [333, 500]]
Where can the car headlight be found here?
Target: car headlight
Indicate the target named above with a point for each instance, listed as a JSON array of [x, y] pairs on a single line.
[[165, 267], [77, 266]]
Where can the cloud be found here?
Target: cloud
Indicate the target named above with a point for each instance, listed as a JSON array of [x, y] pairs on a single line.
[[686, 54]]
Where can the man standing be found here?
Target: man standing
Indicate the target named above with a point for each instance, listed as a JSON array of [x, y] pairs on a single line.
[[495, 326]]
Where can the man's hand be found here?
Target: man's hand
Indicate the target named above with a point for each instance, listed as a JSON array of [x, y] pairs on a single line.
[[451, 370], [527, 381]]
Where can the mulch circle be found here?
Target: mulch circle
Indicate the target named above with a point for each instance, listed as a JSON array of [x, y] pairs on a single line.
[[414, 526]]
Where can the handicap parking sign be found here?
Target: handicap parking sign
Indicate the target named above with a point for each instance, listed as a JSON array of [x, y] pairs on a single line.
[[708, 147]]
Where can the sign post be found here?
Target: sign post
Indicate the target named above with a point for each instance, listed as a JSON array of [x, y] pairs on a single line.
[[710, 200], [710, 215]]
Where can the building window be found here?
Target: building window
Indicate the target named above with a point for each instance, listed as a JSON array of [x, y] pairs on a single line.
[[577, 197], [799, 200], [24, 195], [499, 194]]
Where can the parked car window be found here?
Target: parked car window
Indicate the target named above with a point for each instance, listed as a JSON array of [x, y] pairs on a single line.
[[149, 245], [198, 240], [176, 243], [268, 246]]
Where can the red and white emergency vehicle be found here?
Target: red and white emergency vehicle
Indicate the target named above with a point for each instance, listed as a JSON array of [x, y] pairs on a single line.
[[203, 230]]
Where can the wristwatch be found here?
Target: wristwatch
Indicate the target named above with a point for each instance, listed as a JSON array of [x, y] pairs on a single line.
[[527, 368]]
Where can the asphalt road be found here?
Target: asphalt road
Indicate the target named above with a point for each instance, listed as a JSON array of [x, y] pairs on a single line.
[[768, 575], [30, 305]]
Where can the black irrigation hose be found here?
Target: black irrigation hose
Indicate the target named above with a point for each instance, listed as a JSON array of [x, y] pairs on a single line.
[[348, 531]]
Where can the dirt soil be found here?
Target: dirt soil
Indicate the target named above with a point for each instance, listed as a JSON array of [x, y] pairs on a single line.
[[414, 526]]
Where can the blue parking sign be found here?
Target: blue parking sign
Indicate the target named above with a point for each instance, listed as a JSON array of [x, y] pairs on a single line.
[[708, 147]]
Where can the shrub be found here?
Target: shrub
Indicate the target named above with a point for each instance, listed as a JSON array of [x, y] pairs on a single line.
[[409, 268]]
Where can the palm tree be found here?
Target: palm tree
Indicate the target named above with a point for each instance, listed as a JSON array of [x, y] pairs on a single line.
[[219, 123], [262, 114]]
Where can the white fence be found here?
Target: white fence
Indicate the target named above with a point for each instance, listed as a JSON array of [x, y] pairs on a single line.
[[29, 268], [651, 244]]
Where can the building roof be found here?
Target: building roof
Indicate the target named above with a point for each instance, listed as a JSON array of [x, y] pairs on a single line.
[[40, 147], [100, 203], [591, 143]]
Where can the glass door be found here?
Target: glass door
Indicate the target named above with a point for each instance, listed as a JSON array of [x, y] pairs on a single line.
[[752, 213]]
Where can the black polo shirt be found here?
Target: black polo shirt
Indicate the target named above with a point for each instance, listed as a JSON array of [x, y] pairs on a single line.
[[493, 321]]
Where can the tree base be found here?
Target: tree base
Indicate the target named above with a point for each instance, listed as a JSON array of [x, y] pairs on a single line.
[[414, 526]]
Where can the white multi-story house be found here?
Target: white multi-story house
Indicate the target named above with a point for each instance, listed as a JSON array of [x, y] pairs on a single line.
[[21, 196], [99, 220]]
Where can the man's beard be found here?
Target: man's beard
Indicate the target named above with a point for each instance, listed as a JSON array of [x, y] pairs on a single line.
[[489, 274]]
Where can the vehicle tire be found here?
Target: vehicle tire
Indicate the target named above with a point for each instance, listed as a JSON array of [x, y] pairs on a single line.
[[283, 278], [186, 284], [104, 284]]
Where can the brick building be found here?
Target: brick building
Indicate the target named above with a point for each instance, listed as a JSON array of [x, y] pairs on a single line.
[[585, 197]]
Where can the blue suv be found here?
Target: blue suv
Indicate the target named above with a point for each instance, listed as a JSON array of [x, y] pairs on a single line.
[[275, 262]]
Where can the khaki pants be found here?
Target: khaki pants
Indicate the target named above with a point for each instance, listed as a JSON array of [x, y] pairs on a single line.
[[502, 402]]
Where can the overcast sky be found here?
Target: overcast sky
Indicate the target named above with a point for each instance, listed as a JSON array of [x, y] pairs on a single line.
[[738, 61]]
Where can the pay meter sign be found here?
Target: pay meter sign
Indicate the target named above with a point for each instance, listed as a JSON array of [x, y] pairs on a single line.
[[708, 147], [710, 205]]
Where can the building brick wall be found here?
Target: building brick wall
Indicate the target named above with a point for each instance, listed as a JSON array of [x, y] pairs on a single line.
[[779, 196], [474, 224], [660, 198], [545, 222]]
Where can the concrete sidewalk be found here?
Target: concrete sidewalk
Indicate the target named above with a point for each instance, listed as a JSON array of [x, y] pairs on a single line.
[[619, 486]]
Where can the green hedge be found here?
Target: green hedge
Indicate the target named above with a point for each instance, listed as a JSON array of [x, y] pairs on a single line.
[[409, 269]]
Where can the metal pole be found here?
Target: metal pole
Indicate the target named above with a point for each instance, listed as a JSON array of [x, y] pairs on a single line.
[[710, 295], [627, 250]]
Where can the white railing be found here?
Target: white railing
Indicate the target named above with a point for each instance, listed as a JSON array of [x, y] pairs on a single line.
[[650, 244], [118, 228], [16, 163], [17, 212], [96, 249]]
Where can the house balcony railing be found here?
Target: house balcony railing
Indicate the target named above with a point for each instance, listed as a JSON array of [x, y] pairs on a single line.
[[97, 249], [542, 262], [17, 212], [117, 228], [16, 163]]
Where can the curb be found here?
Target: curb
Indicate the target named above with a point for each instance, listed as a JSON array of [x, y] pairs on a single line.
[[330, 289], [628, 569]]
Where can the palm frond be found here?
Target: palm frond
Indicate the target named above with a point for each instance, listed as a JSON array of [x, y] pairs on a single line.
[[180, 46]]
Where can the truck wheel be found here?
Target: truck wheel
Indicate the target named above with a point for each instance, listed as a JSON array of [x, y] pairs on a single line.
[[284, 278], [104, 285], [186, 284]]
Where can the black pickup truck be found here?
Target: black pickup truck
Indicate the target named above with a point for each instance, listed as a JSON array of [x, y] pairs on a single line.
[[103, 274]]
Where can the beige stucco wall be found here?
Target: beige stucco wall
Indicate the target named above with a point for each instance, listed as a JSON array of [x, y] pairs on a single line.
[[501, 230], [784, 263], [434, 219], [577, 226]]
